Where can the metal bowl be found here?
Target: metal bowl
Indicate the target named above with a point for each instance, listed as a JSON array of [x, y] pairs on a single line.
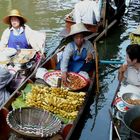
[[131, 97], [33, 123]]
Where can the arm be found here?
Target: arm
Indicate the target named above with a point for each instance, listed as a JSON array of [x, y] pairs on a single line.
[[65, 61], [36, 39], [5, 38], [66, 57], [121, 72], [70, 15], [90, 52]]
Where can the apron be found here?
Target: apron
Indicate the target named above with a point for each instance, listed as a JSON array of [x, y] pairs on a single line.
[[77, 60], [18, 42]]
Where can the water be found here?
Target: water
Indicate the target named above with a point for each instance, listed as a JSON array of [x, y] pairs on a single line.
[[113, 47], [48, 16]]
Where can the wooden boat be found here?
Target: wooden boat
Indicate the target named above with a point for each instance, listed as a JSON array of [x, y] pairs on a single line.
[[109, 17], [50, 63], [118, 128]]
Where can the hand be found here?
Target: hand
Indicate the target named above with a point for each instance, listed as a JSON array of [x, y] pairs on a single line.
[[122, 69], [64, 76], [89, 57]]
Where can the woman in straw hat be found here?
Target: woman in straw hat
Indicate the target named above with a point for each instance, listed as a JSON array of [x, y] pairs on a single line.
[[20, 36], [78, 54]]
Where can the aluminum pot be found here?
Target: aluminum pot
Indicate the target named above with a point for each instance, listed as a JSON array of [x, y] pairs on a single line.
[[24, 66], [131, 119]]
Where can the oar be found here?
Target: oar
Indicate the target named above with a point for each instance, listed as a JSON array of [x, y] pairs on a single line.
[[97, 69], [102, 33], [105, 30], [111, 62]]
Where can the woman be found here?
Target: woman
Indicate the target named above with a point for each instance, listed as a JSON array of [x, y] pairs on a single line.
[[130, 72], [20, 36], [78, 54]]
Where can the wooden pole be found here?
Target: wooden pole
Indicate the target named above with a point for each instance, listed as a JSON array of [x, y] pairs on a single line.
[[104, 13], [104, 31], [97, 68]]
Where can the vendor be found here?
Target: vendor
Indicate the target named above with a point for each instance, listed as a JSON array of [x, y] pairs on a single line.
[[20, 36], [78, 55]]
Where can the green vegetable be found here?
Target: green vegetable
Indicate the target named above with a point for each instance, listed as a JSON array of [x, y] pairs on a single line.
[[20, 101], [64, 120]]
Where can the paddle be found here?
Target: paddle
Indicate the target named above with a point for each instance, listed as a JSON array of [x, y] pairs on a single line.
[[97, 69], [111, 62]]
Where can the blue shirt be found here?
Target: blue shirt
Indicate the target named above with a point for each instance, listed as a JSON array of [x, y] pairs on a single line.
[[69, 52]]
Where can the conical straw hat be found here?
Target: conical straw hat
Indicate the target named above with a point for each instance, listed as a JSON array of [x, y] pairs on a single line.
[[78, 28]]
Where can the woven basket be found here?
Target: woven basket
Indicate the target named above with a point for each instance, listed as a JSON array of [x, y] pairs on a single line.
[[33, 123]]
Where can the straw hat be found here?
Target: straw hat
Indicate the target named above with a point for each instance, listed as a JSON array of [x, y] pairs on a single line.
[[12, 13], [78, 28], [136, 31]]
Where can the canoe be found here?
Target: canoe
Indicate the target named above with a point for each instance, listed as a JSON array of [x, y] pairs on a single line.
[[49, 64], [118, 129], [108, 16]]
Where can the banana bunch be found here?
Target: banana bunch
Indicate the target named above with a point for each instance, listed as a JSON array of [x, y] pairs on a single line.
[[56, 100], [59, 92], [76, 95], [62, 103], [135, 39], [62, 113]]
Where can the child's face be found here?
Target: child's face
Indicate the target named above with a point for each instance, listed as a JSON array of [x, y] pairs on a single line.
[[129, 61]]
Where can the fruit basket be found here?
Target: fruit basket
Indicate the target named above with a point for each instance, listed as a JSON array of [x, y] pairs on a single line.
[[33, 123]]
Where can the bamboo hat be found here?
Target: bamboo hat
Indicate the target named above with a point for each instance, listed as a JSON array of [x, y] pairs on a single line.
[[14, 13], [78, 28], [136, 31]]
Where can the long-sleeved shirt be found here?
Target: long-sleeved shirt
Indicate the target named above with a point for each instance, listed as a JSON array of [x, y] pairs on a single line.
[[68, 53], [87, 12], [34, 38]]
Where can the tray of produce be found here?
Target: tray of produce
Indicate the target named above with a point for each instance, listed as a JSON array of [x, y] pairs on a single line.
[[75, 81], [24, 56]]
